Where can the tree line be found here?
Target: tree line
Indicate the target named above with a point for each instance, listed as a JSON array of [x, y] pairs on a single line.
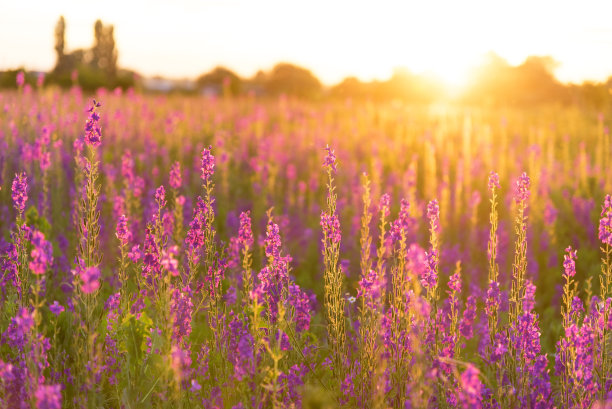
[[495, 82]]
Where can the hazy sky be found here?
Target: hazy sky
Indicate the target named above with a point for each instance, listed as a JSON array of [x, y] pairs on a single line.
[[333, 38]]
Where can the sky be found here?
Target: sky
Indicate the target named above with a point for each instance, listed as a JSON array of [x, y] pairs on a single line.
[[333, 38]]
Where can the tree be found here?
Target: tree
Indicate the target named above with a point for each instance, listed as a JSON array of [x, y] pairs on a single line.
[[293, 80], [104, 53], [221, 80], [60, 44]]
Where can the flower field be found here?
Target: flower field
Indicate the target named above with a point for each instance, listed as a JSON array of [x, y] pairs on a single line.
[[186, 252]]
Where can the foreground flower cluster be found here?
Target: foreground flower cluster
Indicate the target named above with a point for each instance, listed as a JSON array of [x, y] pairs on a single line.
[[130, 279]]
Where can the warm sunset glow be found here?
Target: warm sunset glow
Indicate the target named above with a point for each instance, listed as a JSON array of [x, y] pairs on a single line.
[[333, 39]]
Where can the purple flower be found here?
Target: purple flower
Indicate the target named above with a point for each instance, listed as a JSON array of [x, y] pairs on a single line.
[[180, 362], [526, 335], [176, 178], [241, 352], [272, 243], [576, 308], [195, 386], [20, 192], [429, 276], [195, 235], [493, 298], [330, 159], [56, 308], [181, 308], [135, 254], [403, 224], [605, 222], [48, 397], [208, 164], [569, 262], [331, 227], [151, 254], [42, 253], [127, 167], [499, 347], [123, 232], [433, 215], [160, 196], [93, 132], [90, 277], [19, 329], [301, 303], [466, 326], [169, 261], [493, 181], [272, 281], [471, 388], [370, 288], [385, 203], [245, 234], [454, 283], [529, 298], [521, 188]]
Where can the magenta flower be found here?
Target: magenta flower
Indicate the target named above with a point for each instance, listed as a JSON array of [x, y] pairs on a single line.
[[56, 308], [48, 397], [493, 298], [470, 394], [466, 326], [370, 287], [160, 196], [135, 253], [123, 232], [301, 303], [385, 204], [569, 262], [331, 227], [433, 214], [176, 178], [18, 331], [245, 234], [240, 349], [403, 224], [454, 282], [195, 386], [90, 277], [272, 243], [493, 181], [42, 253], [330, 159], [208, 164], [180, 361], [429, 276], [169, 262], [529, 298], [93, 132], [19, 192], [181, 309], [197, 227], [521, 188], [605, 222]]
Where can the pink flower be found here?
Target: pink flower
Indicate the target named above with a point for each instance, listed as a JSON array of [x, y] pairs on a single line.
[[90, 277]]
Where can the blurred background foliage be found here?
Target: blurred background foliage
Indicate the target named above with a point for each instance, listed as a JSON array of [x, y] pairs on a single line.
[[494, 83]]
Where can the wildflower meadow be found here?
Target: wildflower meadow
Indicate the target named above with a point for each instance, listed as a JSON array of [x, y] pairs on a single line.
[[193, 252]]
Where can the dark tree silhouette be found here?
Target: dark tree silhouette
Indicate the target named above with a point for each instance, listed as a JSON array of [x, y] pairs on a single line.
[[104, 53], [221, 80], [293, 80], [60, 44]]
